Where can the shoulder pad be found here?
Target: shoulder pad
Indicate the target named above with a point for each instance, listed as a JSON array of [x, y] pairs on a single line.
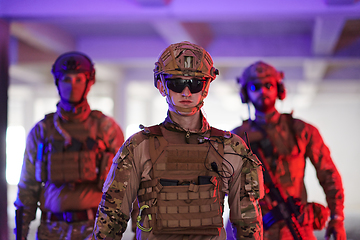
[[96, 113], [132, 142], [49, 115], [238, 145], [246, 121], [288, 116], [152, 130], [246, 124], [214, 132], [244, 127], [48, 119]]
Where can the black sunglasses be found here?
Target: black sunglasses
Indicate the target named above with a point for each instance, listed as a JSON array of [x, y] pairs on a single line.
[[178, 84], [257, 86]]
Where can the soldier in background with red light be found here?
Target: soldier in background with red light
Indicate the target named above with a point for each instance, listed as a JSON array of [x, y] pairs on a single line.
[[67, 157], [285, 143]]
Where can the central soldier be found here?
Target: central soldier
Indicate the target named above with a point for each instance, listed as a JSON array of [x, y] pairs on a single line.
[[180, 170]]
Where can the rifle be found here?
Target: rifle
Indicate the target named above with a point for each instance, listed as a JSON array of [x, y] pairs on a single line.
[[18, 221], [282, 209]]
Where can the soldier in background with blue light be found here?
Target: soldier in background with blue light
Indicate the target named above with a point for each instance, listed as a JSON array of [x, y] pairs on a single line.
[[67, 157]]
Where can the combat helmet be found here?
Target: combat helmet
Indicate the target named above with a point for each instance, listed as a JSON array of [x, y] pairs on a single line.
[[259, 70], [185, 59], [73, 62]]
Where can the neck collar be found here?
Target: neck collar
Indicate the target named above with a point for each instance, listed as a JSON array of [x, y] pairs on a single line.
[[267, 118], [170, 124], [76, 113]]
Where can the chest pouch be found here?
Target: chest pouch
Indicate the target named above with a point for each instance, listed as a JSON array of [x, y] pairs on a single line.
[[81, 161], [66, 167], [185, 195]]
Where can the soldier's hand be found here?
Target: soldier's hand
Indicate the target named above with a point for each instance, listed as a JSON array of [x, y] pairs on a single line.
[[337, 229]]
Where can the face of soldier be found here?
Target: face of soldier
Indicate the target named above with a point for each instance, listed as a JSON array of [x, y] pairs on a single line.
[[183, 92], [263, 94], [72, 87]]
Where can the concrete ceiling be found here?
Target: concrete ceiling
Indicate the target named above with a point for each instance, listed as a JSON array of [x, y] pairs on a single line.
[[308, 39]]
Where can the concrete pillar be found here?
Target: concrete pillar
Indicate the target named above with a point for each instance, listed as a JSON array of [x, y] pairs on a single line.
[[120, 103], [4, 84]]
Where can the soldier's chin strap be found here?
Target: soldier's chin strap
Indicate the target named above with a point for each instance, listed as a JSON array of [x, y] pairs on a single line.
[[182, 110]]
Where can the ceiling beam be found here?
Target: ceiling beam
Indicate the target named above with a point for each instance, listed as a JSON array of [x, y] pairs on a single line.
[[175, 31], [200, 31], [43, 36], [184, 10], [139, 50], [340, 2], [27, 75], [153, 3], [315, 69], [349, 35], [326, 33], [128, 51]]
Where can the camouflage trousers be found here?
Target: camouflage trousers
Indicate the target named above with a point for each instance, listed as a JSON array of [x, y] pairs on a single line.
[[65, 231], [276, 232]]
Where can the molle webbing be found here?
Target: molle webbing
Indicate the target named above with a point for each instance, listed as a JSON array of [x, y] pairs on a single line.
[[67, 167], [190, 205], [77, 162], [191, 159], [183, 161], [185, 209]]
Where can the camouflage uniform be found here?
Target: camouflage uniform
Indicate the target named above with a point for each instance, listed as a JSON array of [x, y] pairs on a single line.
[[132, 166], [56, 197], [293, 141]]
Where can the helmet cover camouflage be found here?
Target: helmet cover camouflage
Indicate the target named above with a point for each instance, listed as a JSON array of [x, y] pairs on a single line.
[[259, 70], [185, 59], [73, 62]]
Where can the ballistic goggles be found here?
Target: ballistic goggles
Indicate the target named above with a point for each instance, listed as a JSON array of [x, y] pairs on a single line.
[[254, 87], [177, 85]]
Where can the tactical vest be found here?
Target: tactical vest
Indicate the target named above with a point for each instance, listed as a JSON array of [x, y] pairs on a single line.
[[82, 161], [184, 195]]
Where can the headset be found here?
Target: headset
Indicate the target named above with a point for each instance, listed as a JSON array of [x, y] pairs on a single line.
[[243, 89]]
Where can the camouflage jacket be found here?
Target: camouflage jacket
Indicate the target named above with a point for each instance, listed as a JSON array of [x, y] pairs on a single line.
[[292, 142], [64, 197], [132, 165]]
